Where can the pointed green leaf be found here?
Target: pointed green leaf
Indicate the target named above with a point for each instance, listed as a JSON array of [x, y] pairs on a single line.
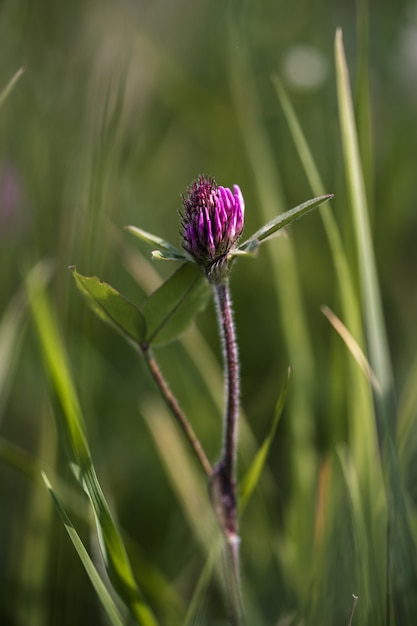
[[254, 472], [166, 249], [101, 590], [110, 305], [284, 219], [172, 307]]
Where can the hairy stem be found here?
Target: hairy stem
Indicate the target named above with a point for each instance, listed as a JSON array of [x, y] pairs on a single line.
[[223, 481], [227, 465], [176, 410]]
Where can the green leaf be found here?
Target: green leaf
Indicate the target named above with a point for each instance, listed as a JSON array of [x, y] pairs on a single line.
[[111, 306], [171, 308], [254, 472], [101, 590], [166, 251], [279, 222]]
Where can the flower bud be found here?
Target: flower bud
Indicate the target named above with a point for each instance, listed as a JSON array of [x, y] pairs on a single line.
[[212, 221]]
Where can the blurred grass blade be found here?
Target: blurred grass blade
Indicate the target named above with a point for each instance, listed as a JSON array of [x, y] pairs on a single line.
[[35, 540], [10, 333], [254, 472], [114, 552], [363, 101], [72, 426], [375, 329], [353, 347], [111, 306], [361, 545], [20, 460], [407, 422], [202, 586], [364, 436], [190, 489], [299, 139], [102, 593], [10, 86], [402, 571], [345, 282], [57, 366], [280, 221], [172, 307], [166, 250]]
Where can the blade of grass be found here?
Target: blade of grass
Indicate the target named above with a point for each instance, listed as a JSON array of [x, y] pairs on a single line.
[[360, 405], [188, 485], [4, 94], [361, 544], [202, 586], [363, 100], [10, 334], [35, 537], [407, 423], [375, 328], [402, 572], [191, 491], [353, 347], [102, 593], [71, 425], [253, 475]]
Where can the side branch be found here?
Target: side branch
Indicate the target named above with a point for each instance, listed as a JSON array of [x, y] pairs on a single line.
[[176, 410]]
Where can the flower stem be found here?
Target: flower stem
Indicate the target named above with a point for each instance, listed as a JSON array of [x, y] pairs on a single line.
[[226, 468], [223, 481], [175, 408]]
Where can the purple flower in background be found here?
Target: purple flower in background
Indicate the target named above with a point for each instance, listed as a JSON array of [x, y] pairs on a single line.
[[212, 221]]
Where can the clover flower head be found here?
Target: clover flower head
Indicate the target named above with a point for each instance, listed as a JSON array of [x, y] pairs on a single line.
[[212, 220]]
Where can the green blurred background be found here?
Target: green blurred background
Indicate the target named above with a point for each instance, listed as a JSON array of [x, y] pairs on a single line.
[[122, 104]]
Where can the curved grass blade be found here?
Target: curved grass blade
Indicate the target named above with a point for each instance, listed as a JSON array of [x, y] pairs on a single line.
[[166, 250], [111, 306], [11, 324], [71, 424], [282, 220], [353, 347], [253, 475], [10, 86], [102, 593], [172, 307]]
